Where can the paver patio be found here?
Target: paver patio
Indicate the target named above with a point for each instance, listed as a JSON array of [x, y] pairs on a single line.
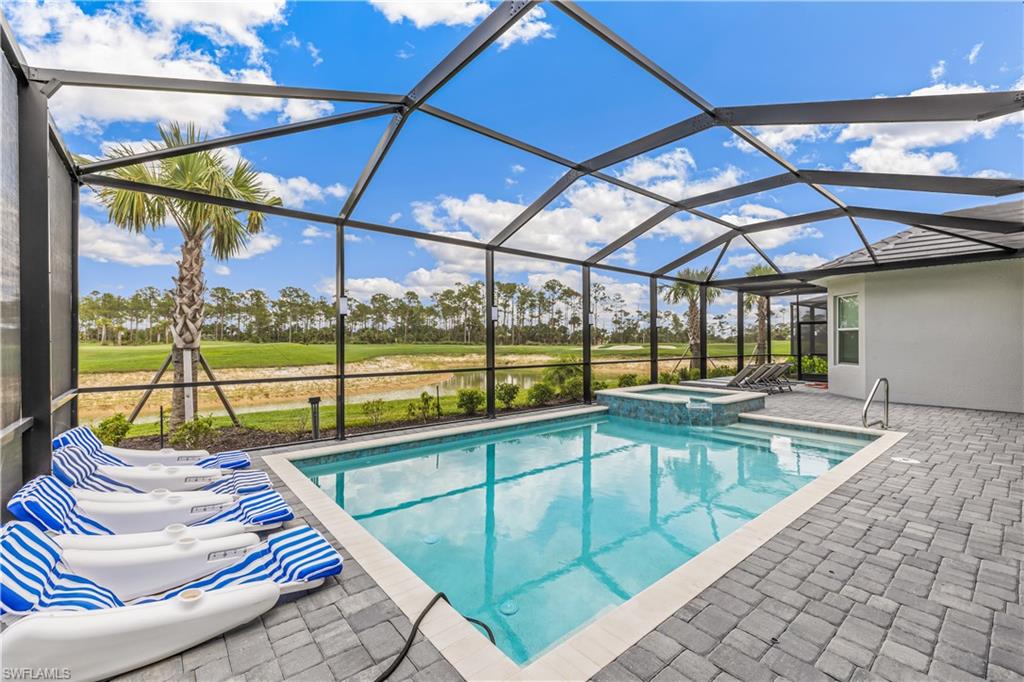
[[906, 571]]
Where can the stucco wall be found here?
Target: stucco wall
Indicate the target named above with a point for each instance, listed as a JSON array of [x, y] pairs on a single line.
[[950, 335]]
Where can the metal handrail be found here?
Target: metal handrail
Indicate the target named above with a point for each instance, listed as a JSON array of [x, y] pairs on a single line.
[[884, 421]]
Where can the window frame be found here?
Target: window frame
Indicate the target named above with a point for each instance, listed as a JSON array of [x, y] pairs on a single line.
[[839, 328]]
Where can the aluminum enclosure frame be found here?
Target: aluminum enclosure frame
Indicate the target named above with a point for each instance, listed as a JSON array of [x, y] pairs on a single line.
[[45, 83]]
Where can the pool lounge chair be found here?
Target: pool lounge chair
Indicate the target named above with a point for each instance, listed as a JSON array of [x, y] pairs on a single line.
[[76, 624], [102, 472], [736, 381], [51, 505], [752, 381], [83, 437]]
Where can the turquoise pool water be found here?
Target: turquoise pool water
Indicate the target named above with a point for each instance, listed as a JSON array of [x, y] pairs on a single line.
[[680, 393], [538, 531]]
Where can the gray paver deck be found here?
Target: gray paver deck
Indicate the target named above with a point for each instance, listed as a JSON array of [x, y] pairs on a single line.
[[905, 572]]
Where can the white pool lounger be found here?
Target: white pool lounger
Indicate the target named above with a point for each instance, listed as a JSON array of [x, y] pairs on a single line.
[[75, 623], [83, 437]]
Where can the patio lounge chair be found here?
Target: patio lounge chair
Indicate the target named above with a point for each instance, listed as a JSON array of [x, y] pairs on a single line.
[[102, 472], [83, 437], [51, 505], [76, 624], [752, 380], [736, 381]]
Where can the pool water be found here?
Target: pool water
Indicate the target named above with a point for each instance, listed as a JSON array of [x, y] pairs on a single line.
[[538, 531], [680, 393]]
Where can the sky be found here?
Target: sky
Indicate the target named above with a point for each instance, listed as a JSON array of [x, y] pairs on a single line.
[[548, 82]]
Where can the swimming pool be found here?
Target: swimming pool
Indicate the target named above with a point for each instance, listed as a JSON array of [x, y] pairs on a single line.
[[539, 530]]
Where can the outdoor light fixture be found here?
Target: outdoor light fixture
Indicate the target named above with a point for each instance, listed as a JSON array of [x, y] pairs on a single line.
[[343, 305], [494, 313]]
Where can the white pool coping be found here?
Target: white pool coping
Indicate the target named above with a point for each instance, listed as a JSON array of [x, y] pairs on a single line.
[[723, 396], [581, 655]]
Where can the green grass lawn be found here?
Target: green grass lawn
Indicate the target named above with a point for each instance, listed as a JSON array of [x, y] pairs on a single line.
[[94, 358]]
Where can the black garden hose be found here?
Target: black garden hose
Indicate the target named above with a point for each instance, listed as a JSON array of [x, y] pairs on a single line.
[[415, 628]]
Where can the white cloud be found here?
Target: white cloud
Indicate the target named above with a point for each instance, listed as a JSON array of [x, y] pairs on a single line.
[[972, 56], [518, 168], [304, 110], [905, 147], [394, 218], [314, 232], [337, 190], [224, 23], [222, 270], [426, 13], [314, 52], [938, 71], [991, 173], [782, 138], [769, 239], [355, 238], [510, 181], [147, 40], [292, 41], [743, 262], [794, 261], [527, 29], [110, 244], [258, 244], [408, 51]]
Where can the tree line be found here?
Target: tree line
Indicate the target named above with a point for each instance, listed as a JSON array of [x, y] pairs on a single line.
[[549, 314]]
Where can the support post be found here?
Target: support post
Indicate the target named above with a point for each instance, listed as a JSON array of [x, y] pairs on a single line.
[[341, 310], [588, 317], [703, 331], [739, 330], [188, 377], [75, 187], [654, 329], [220, 391], [490, 320], [768, 331], [34, 275]]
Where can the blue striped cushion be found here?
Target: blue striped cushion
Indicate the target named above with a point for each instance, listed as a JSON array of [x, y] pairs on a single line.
[[33, 580], [295, 555], [79, 469], [258, 509], [33, 576], [47, 503], [83, 437]]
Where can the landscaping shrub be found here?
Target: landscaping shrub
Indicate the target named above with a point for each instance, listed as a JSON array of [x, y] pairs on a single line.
[[669, 377], [627, 380], [813, 364], [506, 394], [557, 376], [540, 393], [425, 407], [193, 434], [597, 385], [721, 371], [374, 411], [112, 430], [572, 388], [470, 400]]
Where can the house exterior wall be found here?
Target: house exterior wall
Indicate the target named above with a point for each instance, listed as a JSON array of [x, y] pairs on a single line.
[[949, 335]]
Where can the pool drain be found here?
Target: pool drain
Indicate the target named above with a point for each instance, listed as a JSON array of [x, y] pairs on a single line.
[[905, 460], [431, 539], [509, 608]]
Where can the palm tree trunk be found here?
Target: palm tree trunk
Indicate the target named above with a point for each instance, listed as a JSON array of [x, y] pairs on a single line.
[[187, 321], [762, 331]]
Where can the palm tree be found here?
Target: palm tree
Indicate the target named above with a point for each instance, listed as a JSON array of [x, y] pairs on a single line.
[[208, 172], [761, 351], [678, 292]]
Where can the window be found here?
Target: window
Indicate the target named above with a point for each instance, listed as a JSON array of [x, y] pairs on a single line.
[[847, 330]]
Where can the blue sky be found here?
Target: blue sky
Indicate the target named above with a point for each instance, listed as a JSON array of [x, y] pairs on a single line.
[[549, 83]]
